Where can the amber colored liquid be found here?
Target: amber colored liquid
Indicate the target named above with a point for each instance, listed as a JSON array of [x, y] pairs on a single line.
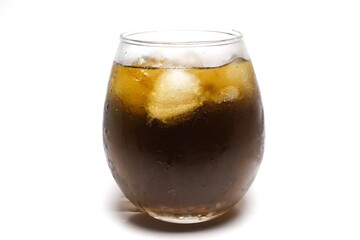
[[192, 149]]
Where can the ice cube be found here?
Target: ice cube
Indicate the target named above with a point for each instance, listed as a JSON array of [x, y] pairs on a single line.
[[149, 62], [241, 74], [175, 93], [130, 86], [227, 94]]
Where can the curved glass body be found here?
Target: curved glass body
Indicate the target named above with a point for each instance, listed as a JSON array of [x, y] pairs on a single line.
[[183, 123]]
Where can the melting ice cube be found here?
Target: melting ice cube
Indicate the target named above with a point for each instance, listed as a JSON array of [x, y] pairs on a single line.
[[227, 94], [175, 93]]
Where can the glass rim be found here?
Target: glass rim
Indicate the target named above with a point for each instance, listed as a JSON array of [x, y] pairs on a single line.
[[228, 37]]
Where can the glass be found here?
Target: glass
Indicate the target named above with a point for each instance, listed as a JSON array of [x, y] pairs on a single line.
[[183, 122]]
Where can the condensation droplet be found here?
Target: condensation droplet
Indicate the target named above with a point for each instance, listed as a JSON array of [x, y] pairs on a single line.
[[209, 214], [172, 191], [110, 163], [190, 209]]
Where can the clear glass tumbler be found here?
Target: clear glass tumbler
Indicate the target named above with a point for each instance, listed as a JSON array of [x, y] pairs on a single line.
[[183, 122]]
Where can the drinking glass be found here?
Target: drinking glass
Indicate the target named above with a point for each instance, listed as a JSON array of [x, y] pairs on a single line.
[[183, 122]]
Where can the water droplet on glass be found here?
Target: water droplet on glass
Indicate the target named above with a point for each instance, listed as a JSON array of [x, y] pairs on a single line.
[[190, 209], [159, 161], [172, 191], [209, 214], [110, 163]]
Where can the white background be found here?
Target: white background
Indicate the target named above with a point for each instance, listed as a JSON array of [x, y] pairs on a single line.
[[55, 60]]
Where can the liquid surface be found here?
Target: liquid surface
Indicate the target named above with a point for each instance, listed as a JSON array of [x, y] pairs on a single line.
[[183, 141]]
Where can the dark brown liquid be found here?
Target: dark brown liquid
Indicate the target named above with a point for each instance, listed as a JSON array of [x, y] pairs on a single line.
[[204, 162]]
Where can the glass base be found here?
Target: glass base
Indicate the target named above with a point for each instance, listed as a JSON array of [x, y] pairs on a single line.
[[185, 219]]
